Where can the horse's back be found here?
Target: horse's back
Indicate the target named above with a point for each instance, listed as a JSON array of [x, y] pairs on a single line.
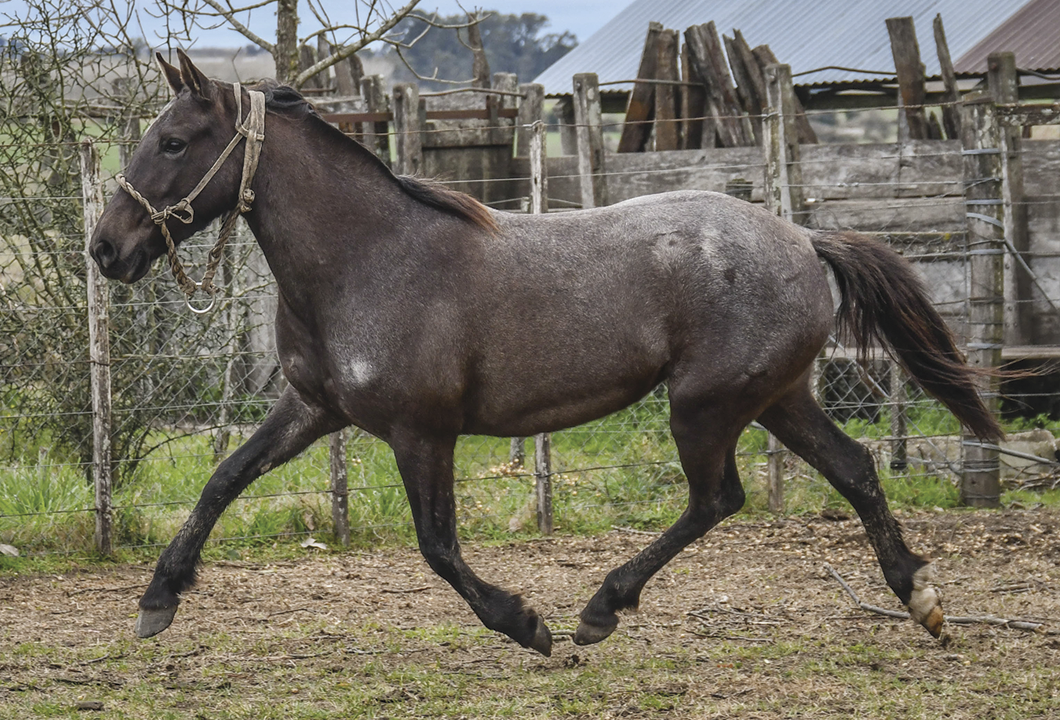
[[591, 309]]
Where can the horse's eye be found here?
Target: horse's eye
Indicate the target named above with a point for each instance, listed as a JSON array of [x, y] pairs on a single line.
[[173, 146]]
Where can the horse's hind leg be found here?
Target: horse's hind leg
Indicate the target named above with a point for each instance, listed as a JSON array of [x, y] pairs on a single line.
[[714, 492], [426, 466], [800, 423], [290, 428]]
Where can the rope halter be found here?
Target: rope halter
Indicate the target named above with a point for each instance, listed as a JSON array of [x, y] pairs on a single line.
[[253, 129]]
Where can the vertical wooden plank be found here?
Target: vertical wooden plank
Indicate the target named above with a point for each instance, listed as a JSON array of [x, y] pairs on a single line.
[[590, 140], [98, 353], [750, 84], [340, 493], [951, 114], [981, 151], [666, 126], [704, 48], [803, 130], [375, 100], [502, 130], [693, 105], [910, 70], [641, 108], [531, 110], [407, 138], [1019, 307]]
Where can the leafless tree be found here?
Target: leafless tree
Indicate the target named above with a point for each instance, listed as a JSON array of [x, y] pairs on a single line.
[[364, 23]]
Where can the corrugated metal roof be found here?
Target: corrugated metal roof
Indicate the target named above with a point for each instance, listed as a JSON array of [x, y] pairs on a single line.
[[805, 35], [1031, 33]]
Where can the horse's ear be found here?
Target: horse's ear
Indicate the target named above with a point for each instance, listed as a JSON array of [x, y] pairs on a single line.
[[193, 77], [172, 74]]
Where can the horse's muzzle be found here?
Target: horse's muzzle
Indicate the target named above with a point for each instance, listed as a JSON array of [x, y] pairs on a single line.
[[113, 266]]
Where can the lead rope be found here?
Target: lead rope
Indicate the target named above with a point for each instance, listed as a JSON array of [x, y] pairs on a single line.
[[254, 132]]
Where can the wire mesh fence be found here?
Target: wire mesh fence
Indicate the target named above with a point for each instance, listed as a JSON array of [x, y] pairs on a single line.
[[188, 388]]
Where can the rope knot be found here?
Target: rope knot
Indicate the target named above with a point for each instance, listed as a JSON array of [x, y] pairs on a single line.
[[246, 201]]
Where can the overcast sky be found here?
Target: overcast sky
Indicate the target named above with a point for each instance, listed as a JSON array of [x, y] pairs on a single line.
[[581, 17]]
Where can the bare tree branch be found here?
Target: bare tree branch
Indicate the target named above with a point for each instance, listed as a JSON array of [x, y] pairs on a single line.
[[347, 50], [230, 17]]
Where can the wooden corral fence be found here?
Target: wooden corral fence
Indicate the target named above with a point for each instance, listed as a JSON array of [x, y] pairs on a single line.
[[977, 212]]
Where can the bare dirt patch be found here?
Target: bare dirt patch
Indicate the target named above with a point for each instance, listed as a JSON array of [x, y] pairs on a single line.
[[746, 622]]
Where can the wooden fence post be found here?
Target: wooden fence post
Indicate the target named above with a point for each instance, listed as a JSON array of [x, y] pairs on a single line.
[[899, 451], [340, 494], [590, 137], [1019, 309], [98, 352], [407, 129], [377, 134], [910, 71], [543, 478], [981, 151], [951, 114], [543, 441], [783, 179], [667, 126], [531, 110], [784, 197]]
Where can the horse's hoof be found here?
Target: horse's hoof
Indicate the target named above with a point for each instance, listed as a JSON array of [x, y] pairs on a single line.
[[542, 640], [587, 634], [925, 606], [152, 622]]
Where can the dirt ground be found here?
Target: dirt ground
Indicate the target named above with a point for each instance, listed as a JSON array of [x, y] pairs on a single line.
[[745, 623]]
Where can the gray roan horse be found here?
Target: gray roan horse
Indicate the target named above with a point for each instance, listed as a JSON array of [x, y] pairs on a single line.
[[417, 314]]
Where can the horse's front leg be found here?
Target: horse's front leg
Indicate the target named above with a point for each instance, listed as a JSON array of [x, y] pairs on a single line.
[[291, 426], [426, 466]]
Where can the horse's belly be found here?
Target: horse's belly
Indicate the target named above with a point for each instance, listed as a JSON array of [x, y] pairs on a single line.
[[520, 409]]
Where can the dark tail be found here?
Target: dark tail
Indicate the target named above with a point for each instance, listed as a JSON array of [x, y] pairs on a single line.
[[884, 301]]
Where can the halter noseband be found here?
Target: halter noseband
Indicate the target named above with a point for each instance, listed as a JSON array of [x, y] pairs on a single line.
[[254, 132]]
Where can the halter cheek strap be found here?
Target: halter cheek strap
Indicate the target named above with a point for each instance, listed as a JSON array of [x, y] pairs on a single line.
[[253, 130]]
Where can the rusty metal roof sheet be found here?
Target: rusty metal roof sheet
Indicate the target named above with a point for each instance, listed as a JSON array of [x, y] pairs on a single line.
[[1031, 33], [807, 36]]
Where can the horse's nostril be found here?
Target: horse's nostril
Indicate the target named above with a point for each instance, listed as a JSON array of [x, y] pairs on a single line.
[[103, 253]]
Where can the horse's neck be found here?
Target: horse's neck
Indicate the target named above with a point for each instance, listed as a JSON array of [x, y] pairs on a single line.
[[321, 207]]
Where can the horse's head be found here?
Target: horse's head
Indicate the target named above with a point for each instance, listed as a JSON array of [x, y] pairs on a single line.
[[177, 152]]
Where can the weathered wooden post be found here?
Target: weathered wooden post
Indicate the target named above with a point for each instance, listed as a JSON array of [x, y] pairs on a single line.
[[98, 352], [407, 128], [542, 442], [531, 109], [899, 450], [590, 137], [981, 151], [529, 126], [667, 127], [377, 132], [340, 494], [1019, 310], [784, 197], [910, 71]]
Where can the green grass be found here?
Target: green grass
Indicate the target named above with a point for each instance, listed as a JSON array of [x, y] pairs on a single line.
[[619, 471]]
